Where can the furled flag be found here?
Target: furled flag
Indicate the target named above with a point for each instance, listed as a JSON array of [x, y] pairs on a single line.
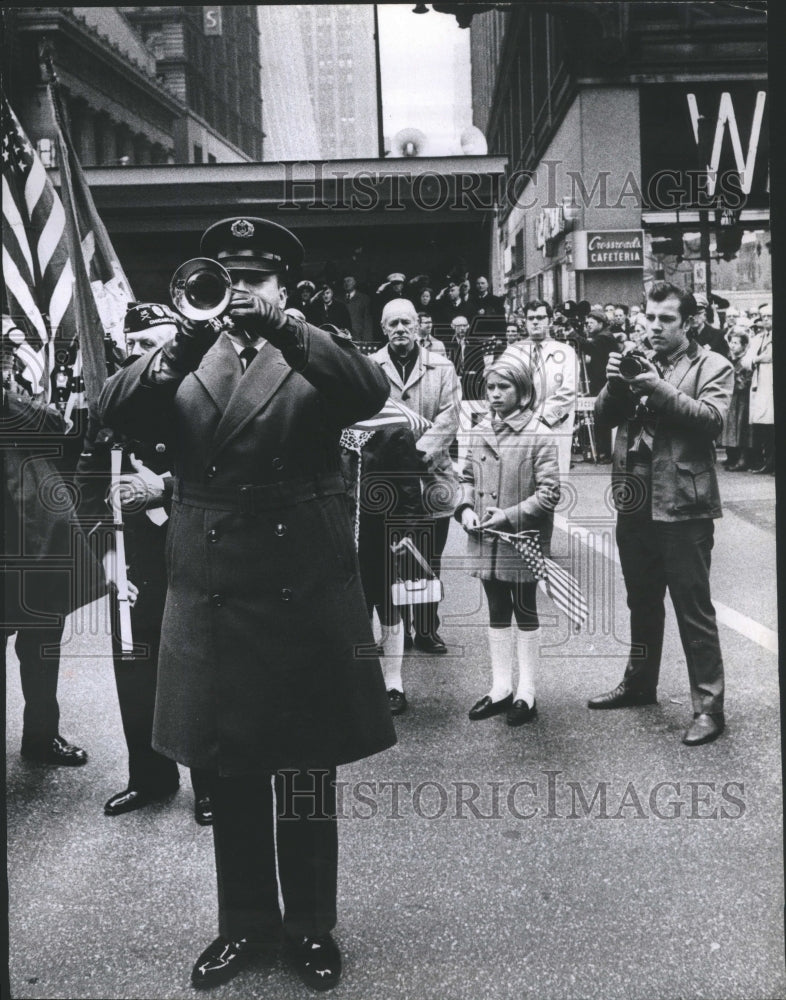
[[561, 586], [393, 414]]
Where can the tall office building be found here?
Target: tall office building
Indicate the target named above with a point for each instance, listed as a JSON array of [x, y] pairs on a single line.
[[340, 65]]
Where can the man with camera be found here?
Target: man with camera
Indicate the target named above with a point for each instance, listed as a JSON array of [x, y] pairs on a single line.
[[668, 410], [259, 681]]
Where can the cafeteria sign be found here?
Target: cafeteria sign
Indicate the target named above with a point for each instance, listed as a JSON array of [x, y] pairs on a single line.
[[609, 249]]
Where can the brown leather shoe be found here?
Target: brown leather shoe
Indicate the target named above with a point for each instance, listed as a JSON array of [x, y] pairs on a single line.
[[704, 729], [623, 697]]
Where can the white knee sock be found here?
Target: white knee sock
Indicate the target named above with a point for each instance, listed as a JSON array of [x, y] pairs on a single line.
[[393, 652], [528, 653], [501, 650]]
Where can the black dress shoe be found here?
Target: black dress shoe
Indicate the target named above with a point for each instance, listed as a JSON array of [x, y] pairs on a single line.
[[622, 697], [57, 751], [408, 641], [222, 960], [520, 712], [203, 810], [485, 708], [397, 702], [430, 644], [135, 798], [704, 729], [317, 961]]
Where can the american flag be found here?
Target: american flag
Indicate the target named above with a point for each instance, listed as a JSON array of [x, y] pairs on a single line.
[[51, 250], [561, 586], [392, 414]]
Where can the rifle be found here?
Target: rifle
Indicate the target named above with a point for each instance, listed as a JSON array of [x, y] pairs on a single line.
[[123, 604]]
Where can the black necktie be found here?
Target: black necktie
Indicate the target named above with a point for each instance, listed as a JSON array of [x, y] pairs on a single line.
[[247, 355]]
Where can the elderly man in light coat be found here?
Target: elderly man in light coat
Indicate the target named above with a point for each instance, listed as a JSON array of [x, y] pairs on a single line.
[[426, 383]]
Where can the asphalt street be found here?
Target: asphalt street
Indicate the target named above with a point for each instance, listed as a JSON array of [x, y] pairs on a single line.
[[588, 855]]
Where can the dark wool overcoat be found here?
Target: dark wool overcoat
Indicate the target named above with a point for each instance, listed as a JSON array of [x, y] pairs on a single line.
[[258, 668], [517, 471], [49, 569]]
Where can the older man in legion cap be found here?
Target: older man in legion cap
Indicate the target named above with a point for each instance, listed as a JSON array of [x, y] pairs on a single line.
[[260, 681]]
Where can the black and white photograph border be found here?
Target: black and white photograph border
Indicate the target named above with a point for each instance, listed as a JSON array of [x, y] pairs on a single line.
[[587, 855]]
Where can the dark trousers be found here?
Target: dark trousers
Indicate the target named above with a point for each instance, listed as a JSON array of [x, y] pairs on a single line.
[[38, 650], [135, 680], [656, 555], [257, 835], [426, 616]]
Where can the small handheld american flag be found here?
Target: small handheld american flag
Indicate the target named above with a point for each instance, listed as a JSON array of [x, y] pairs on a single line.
[[561, 586], [393, 414]]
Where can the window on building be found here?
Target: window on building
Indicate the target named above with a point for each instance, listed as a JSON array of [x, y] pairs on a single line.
[[211, 158], [198, 156]]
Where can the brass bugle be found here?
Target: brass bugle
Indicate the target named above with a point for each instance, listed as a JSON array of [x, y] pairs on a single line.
[[200, 289]]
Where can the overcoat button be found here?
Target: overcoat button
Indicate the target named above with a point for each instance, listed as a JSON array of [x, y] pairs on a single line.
[[483, 458], [217, 600], [277, 464], [211, 472], [212, 535], [286, 594], [405, 395], [280, 529], [160, 447], [493, 495]]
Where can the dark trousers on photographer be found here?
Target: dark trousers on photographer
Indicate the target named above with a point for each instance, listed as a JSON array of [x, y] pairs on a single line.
[[674, 555], [270, 830]]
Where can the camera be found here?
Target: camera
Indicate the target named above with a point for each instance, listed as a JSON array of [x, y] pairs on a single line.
[[631, 365]]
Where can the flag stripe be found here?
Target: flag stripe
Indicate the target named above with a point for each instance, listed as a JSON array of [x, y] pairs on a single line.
[[19, 290], [61, 299], [11, 212], [35, 185], [50, 235]]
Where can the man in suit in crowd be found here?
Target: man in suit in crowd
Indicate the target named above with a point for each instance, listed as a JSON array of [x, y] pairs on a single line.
[[358, 306], [426, 383], [554, 368], [426, 337], [666, 493], [325, 308], [706, 334], [259, 680]]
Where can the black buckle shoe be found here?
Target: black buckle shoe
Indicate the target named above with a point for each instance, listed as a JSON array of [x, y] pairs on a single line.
[[222, 960], [203, 810], [520, 712], [622, 697], [317, 961], [397, 702], [58, 751], [485, 708]]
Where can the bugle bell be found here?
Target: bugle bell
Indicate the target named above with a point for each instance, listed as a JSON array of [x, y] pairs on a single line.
[[200, 289]]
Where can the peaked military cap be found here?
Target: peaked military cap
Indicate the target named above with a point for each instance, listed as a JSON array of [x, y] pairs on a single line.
[[251, 244]]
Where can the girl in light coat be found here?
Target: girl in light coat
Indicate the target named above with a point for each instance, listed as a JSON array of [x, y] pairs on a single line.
[[510, 483]]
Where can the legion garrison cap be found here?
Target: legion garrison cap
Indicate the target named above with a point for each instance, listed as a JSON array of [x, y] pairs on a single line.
[[252, 244], [145, 315]]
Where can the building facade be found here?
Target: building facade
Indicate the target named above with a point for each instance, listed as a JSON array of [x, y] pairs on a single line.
[[637, 140], [139, 86]]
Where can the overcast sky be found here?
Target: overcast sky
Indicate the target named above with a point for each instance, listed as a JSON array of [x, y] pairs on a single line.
[[425, 75]]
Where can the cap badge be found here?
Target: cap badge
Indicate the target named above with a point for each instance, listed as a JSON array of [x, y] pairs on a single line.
[[242, 228]]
